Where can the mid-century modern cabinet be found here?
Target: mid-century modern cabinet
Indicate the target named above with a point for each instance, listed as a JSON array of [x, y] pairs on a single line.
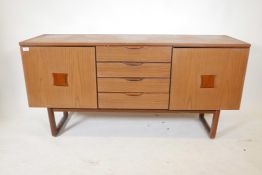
[[155, 73]]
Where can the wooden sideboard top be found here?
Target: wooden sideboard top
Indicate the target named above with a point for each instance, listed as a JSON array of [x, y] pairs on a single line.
[[138, 39]]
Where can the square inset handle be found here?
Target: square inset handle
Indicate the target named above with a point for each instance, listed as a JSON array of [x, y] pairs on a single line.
[[60, 79], [207, 81]]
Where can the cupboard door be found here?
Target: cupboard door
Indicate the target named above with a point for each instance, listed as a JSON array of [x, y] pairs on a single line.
[[207, 78], [61, 77]]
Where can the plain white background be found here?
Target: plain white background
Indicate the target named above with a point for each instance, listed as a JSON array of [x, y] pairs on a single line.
[[20, 20], [25, 141]]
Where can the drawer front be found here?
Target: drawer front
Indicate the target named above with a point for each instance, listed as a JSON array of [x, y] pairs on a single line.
[[133, 85], [134, 53], [133, 69], [133, 100]]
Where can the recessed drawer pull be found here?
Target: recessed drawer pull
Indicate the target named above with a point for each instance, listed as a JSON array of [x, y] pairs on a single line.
[[134, 79], [133, 64], [134, 94], [134, 47]]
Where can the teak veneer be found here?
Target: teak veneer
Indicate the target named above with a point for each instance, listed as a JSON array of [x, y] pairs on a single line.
[[134, 73]]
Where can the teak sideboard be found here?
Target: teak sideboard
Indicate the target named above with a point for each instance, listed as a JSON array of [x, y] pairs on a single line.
[[154, 73]]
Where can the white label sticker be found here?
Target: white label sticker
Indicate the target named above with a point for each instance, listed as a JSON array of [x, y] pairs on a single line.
[[25, 49]]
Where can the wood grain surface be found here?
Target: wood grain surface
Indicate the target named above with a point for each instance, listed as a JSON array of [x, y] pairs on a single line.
[[227, 64], [136, 84], [133, 100], [127, 39], [134, 53], [77, 62], [133, 69]]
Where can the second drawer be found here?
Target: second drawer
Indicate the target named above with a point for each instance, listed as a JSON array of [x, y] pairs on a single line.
[[127, 69], [133, 85]]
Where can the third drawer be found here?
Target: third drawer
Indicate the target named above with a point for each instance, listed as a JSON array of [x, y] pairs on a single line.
[[133, 85]]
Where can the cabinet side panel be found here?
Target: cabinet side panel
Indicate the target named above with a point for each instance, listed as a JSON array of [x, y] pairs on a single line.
[[77, 63], [225, 65], [234, 82]]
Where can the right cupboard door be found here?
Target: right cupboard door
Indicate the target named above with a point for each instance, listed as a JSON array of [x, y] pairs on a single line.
[[207, 78]]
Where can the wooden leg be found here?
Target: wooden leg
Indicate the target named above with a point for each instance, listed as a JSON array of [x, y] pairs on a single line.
[[203, 120], [55, 129], [213, 129]]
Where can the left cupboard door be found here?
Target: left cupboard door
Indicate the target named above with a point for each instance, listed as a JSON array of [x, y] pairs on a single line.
[[60, 77]]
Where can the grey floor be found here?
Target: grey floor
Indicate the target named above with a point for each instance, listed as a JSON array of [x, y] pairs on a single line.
[[135, 144]]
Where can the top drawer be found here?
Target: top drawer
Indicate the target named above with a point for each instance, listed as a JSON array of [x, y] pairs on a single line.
[[134, 53]]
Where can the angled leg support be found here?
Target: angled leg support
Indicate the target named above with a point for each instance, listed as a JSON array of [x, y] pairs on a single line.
[[213, 129], [56, 128]]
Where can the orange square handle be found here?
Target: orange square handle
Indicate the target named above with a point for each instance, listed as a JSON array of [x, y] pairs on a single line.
[[60, 79], [207, 81]]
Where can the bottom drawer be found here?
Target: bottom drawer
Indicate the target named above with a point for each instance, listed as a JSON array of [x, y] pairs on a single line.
[[133, 100]]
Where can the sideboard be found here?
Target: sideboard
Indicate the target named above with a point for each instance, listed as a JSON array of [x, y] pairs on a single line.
[[134, 73]]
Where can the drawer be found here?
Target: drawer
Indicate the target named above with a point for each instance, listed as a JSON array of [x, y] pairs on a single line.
[[133, 100], [134, 53], [133, 69], [133, 85]]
